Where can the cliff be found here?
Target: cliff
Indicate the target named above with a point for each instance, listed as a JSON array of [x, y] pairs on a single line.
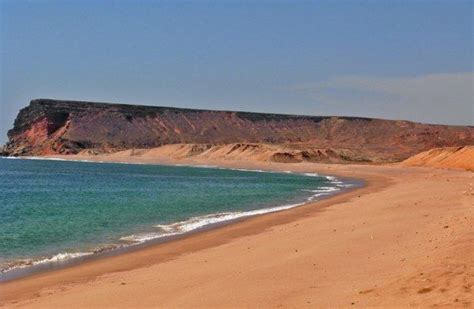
[[69, 127]]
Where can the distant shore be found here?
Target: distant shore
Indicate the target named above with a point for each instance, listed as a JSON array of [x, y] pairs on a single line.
[[405, 239]]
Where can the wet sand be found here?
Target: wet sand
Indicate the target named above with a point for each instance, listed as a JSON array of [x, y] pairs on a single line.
[[405, 239]]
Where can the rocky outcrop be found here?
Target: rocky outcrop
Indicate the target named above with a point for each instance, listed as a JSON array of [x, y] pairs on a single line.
[[69, 127]]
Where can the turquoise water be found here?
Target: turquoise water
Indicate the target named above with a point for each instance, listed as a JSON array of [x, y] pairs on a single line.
[[54, 210]]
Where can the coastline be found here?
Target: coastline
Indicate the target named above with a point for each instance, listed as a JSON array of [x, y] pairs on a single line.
[[58, 287], [134, 242]]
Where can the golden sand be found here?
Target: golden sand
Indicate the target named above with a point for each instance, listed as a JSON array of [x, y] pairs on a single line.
[[405, 239]]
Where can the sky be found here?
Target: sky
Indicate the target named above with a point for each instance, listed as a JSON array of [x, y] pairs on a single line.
[[408, 60]]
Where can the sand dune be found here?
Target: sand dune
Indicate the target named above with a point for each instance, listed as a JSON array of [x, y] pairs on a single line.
[[448, 157], [248, 151], [238, 151]]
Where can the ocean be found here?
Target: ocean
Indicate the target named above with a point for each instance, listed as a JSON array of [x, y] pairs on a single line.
[[52, 210]]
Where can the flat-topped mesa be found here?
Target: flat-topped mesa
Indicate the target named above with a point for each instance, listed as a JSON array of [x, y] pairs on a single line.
[[68, 127]]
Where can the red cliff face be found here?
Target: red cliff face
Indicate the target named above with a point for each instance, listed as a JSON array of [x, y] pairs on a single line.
[[67, 127]]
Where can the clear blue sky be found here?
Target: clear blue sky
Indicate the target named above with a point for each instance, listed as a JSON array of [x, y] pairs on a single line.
[[390, 59]]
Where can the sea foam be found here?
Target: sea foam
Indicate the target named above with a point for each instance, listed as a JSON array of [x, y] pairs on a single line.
[[195, 223]]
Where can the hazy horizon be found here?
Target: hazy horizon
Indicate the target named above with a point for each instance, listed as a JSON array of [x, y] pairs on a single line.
[[223, 110], [410, 61]]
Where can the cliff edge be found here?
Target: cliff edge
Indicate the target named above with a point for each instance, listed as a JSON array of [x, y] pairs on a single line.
[[48, 127]]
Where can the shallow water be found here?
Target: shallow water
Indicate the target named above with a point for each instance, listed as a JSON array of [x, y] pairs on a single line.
[[56, 210]]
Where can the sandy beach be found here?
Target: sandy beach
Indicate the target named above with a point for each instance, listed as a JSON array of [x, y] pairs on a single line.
[[405, 239], [236, 154]]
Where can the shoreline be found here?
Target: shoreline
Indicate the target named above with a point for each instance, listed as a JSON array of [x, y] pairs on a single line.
[[81, 262], [46, 288], [52, 263]]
